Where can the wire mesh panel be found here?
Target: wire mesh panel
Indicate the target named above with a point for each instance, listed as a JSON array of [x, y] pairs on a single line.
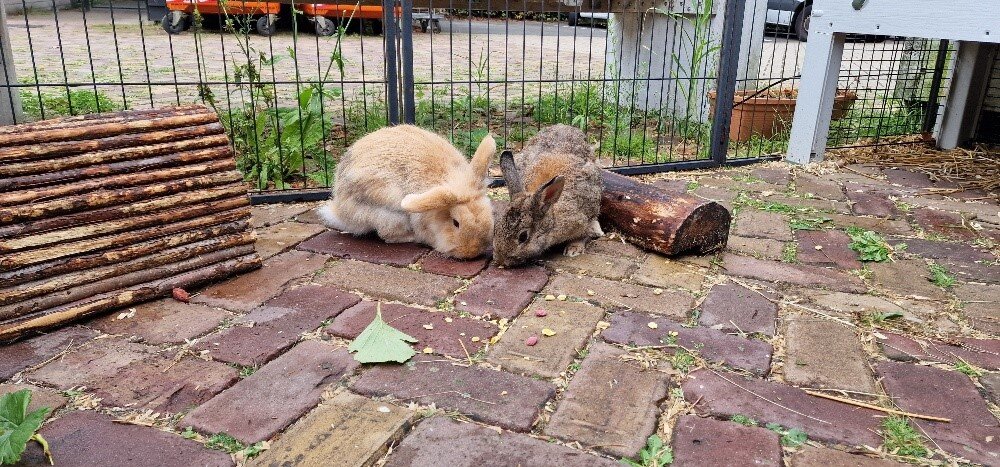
[[296, 84]]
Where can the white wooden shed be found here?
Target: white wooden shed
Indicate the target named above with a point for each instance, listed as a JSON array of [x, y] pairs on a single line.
[[974, 25]]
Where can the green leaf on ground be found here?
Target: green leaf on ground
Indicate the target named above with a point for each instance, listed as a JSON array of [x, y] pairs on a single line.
[[869, 245], [380, 343], [17, 426]]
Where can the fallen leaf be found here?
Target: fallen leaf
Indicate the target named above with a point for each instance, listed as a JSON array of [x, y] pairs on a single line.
[[380, 343], [428, 350], [181, 295], [548, 332]]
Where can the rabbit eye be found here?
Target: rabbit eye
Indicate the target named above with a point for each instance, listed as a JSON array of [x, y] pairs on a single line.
[[523, 237], [455, 222]]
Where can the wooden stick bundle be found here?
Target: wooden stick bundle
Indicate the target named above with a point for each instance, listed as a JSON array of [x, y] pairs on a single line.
[[104, 211]]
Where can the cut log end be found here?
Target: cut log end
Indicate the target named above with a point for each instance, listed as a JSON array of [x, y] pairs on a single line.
[[661, 221]]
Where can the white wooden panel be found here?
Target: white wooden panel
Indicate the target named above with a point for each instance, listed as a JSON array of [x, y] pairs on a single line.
[[967, 20]]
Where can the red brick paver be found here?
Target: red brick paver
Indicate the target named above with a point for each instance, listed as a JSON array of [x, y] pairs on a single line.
[[367, 248], [495, 397], [24, 354], [634, 329], [276, 395], [732, 307], [248, 291], [972, 432], [726, 394], [610, 405], [448, 334], [502, 293], [87, 439], [166, 321], [703, 441], [442, 441]]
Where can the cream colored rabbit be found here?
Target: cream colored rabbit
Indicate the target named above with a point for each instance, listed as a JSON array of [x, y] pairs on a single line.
[[410, 185]]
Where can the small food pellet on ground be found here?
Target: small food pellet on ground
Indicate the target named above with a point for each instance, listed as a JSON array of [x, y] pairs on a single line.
[[652, 325], [541, 313], [531, 341], [475, 339], [548, 332]]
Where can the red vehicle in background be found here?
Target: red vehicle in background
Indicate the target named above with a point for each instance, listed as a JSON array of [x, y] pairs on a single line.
[[327, 16], [180, 12]]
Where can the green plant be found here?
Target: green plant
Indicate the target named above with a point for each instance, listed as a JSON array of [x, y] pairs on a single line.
[[683, 361], [869, 245], [901, 439], [17, 426], [701, 48], [968, 369], [790, 254], [189, 433], [791, 437], [940, 276], [808, 223], [224, 442], [51, 104], [691, 186], [743, 420], [654, 454]]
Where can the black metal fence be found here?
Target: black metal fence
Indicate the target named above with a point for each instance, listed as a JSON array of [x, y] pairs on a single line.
[[643, 82]]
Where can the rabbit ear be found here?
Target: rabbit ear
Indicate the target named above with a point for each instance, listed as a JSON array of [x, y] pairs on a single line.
[[548, 194], [483, 156], [511, 175], [435, 198]]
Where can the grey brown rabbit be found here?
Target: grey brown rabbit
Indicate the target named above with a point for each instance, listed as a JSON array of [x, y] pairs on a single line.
[[555, 197]]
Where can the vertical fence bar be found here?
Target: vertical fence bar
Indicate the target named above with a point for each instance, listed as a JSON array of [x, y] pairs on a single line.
[[389, 29], [10, 98], [930, 113], [406, 57], [729, 67]]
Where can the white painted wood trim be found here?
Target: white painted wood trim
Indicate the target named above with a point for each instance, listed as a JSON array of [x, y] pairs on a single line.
[[965, 20], [817, 90]]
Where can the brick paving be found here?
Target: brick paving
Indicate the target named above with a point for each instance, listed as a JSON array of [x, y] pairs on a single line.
[[568, 361]]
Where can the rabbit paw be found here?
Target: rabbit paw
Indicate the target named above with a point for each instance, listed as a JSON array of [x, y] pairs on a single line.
[[575, 248]]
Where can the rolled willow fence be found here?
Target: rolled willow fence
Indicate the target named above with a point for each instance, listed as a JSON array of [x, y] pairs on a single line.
[[103, 211]]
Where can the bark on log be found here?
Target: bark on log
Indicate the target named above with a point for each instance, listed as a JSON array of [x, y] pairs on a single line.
[[98, 158], [118, 175], [26, 258], [660, 221], [103, 129], [129, 217], [117, 283], [119, 270], [89, 119], [43, 209], [68, 148], [22, 326], [126, 253]]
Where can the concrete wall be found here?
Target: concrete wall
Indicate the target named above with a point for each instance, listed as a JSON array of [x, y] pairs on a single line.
[[10, 101], [657, 44]]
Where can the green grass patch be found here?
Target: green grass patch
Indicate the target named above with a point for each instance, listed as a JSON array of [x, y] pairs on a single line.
[[743, 420], [901, 439], [869, 245], [940, 275], [790, 437], [52, 103]]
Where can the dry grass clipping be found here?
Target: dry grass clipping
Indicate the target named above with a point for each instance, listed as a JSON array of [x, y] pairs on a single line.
[[972, 169]]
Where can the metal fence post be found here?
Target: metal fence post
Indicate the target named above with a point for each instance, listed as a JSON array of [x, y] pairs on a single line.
[[389, 30], [931, 112], [406, 59], [10, 98], [729, 64]]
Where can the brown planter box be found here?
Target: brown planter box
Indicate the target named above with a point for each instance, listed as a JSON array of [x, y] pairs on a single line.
[[767, 116]]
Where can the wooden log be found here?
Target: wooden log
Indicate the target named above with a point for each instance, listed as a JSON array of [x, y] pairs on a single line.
[[121, 174], [660, 221], [128, 217], [106, 129], [68, 148], [98, 158], [76, 278], [22, 326], [22, 259], [117, 283], [124, 253], [90, 119], [39, 210], [141, 176]]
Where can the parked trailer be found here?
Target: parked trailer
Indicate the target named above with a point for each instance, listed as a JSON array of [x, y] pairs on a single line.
[[180, 12], [327, 16]]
